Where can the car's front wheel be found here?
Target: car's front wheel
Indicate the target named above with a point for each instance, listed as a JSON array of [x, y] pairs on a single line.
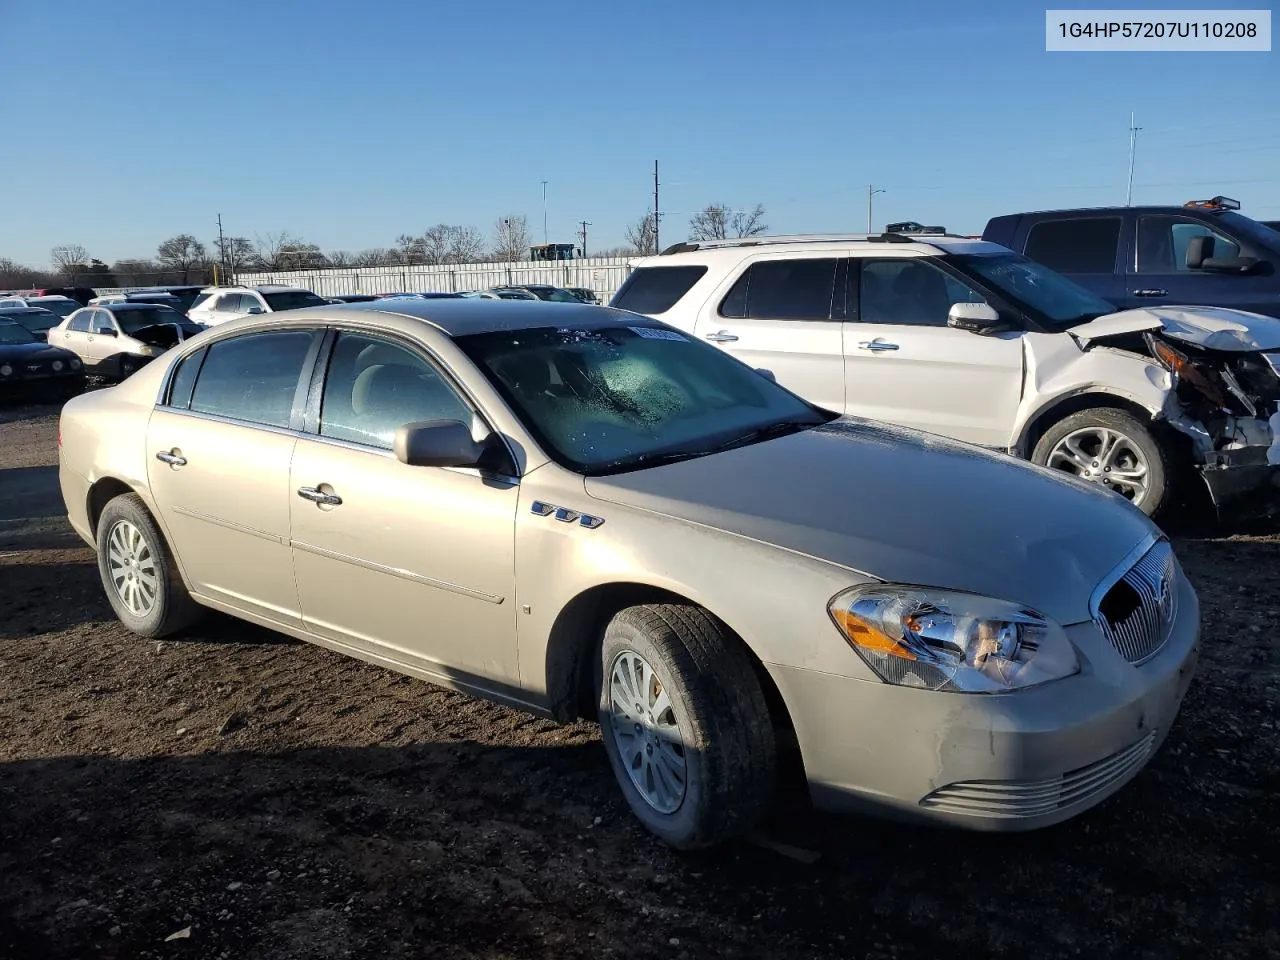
[[685, 724], [138, 571], [1114, 449]]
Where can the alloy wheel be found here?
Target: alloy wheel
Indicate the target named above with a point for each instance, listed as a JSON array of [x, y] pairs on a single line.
[[646, 732]]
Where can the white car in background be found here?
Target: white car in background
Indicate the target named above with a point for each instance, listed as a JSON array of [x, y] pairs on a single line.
[[219, 304], [972, 341], [62, 306]]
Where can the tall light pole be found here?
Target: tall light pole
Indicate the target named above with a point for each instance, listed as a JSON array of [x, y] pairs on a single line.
[[1133, 148], [871, 192], [544, 211]]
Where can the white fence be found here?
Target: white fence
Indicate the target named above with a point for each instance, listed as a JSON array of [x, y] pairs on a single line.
[[603, 275]]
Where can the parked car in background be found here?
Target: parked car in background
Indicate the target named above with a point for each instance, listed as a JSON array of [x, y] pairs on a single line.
[[220, 304], [547, 292], [37, 320], [31, 369], [352, 297], [56, 303], [116, 340], [81, 295], [164, 299], [1203, 253], [512, 293], [627, 524], [186, 293], [429, 295], [583, 294], [966, 339]]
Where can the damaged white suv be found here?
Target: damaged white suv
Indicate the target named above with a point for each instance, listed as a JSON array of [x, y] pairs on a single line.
[[969, 340]]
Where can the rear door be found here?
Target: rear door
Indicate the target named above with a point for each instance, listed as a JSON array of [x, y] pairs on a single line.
[[1159, 274], [1091, 250], [904, 365], [777, 316], [219, 449]]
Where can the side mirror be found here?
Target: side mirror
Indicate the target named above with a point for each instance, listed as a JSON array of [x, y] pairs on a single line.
[[254, 311], [1230, 264], [979, 318], [1199, 249], [106, 333], [437, 443], [767, 374]]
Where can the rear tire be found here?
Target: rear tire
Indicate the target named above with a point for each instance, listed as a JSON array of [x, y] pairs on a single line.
[[1116, 450], [685, 724], [138, 571]]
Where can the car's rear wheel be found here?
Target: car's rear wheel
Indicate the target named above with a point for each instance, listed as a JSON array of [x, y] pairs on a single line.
[[138, 571], [1114, 449], [685, 724]]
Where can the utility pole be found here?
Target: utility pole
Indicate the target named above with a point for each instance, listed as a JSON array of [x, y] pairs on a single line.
[[871, 192], [1133, 149], [544, 211], [583, 234], [657, 215], [222, 248]]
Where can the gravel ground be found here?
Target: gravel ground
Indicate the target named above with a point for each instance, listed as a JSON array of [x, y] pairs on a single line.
[[236, 794]]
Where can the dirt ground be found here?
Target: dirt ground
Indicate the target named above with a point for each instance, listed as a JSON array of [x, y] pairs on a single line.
[[235, 794]]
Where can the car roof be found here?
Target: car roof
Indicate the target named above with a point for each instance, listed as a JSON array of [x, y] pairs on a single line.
[[464, 316], [23, 311], [51, 296], [925, 244], [133, 306]]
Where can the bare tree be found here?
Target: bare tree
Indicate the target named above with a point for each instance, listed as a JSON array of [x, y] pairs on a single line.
[[434, 243], [466, 245], [135, 273], [717, 221], [624, 251], [270, 247], [641, 236], [70, 259], [234, 253], [15, 276], [377, 257], [301, 256], [409, 250], [182, 254], [340, 258], [511, 239]]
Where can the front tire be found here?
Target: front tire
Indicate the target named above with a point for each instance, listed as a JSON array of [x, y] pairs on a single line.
[[1115, 449], [138, 571], [685, 725]]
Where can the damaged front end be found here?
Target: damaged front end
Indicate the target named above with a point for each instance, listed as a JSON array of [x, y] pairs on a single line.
[[1228, 403]]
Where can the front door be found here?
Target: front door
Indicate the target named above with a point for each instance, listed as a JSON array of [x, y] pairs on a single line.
[[1162, 277], [414, 564], [777, 316], [218, 456], [904, 365], [75, 335]]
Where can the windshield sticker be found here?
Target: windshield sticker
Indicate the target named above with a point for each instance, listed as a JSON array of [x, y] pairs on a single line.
[[656, 333]]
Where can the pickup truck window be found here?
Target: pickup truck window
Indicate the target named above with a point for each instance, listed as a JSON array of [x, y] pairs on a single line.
[[1076, 245], [1162, 243]]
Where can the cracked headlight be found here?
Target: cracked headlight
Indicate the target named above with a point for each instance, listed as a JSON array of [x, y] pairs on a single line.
[[951, 641]]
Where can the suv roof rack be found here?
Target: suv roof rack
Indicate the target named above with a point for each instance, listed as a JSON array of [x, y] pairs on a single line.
[[687, 246]]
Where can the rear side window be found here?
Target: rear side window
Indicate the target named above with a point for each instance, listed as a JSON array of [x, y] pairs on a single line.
[[229, 303], [199, 300], [654, 290], [253, 378], [783, 290], [184, 380], [1081, 245]]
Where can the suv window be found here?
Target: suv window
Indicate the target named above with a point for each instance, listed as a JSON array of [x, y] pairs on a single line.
[[253, 377], [908, 290], [653, 290], [229, 303], [1081, 245], [1163, 240], [80, 321], [798, 289], [101, 322], [373, 388]]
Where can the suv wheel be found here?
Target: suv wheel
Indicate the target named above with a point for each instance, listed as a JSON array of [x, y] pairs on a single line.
[[685, 724], [1114, 449]]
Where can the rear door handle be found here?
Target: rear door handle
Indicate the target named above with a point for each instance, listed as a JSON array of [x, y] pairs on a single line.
[[1150, 292], [319, 496], [877, 345], [172, 459], [722, 336]]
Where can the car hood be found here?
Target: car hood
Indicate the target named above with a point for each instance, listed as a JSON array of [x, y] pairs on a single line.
[[32, 352], [1214, 328], [904, 507]]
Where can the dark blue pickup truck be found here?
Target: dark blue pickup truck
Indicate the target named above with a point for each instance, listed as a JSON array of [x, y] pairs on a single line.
[[1202, 253]]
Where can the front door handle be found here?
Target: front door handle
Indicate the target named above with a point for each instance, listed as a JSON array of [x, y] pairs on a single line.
[[877, 345], [1150, 292], [172, 459], [320, 497], [722, 336]]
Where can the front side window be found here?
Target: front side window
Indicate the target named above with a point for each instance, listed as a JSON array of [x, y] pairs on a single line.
[[137, 318], [654, 290], [1057, 302], [617, 397], [1163, 242], [798, 289], [1079, 245], [80, 321], [253, 377], [102, 323], [372, 388], [230, 303], [908, 290]]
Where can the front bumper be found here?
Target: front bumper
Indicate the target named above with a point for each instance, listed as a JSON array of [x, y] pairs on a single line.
[[1242, 483], [45, 382], [1014, 761]]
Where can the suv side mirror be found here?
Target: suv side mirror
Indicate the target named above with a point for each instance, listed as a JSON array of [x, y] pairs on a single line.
[[438, 443], [767, 374], [1199, 249], [254, 311], [979, 318]]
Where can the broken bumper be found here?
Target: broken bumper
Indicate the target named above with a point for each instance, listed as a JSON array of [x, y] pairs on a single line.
[[1242, 482]]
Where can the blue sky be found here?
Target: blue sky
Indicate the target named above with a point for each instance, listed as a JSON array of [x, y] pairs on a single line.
[[349, 123]]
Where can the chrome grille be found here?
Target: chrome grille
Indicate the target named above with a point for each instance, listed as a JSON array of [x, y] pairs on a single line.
[[1017, 799], [1136, 611]]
